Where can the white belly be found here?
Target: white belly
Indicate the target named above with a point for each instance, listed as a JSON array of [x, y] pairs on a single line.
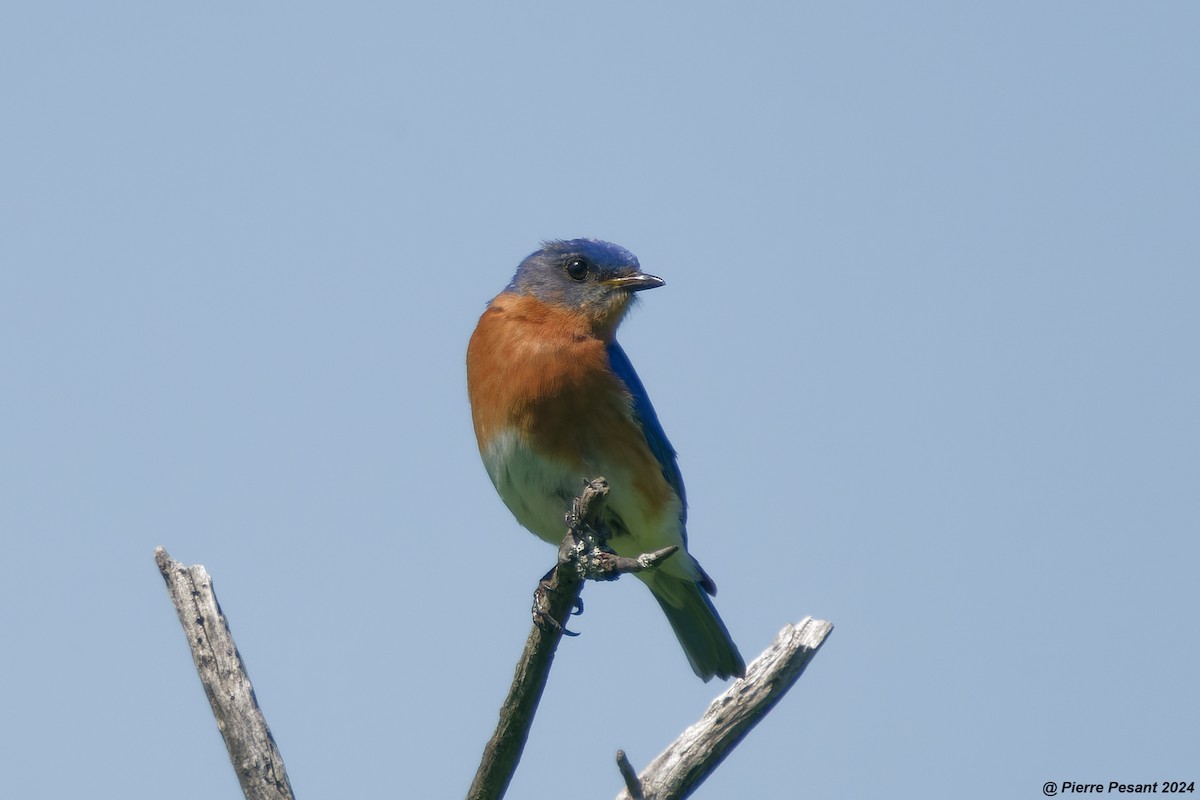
[[539, 491]]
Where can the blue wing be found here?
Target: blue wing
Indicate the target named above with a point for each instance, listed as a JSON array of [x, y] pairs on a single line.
[[651, 427]]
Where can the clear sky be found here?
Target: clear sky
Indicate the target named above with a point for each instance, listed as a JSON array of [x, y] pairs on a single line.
[[927, 349]]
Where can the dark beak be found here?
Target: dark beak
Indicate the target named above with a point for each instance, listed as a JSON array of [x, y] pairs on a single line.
[[637, 282]]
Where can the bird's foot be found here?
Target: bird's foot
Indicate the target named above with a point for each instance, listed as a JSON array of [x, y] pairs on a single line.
[[541, 607]]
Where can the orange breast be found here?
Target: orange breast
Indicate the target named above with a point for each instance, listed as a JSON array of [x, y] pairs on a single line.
[[542, 373]]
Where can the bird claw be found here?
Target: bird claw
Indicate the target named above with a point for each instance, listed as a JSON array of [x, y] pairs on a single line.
[[544, 620], [542, 617]]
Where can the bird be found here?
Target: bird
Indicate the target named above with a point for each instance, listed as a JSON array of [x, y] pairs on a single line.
[[555, 402]]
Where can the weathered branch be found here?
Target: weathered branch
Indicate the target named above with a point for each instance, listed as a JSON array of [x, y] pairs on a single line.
[[582, 556], [689, 760], [633, 784], [256, 759]]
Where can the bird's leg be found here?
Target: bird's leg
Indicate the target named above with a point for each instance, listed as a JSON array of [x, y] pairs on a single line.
[[541, 605], [585, 553]]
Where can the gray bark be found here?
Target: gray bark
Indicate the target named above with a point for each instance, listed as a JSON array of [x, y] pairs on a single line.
[[683, 766], [252, 750], [582, 556]]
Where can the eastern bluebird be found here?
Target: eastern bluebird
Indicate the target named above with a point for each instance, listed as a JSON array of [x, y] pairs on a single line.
[[556, 402]]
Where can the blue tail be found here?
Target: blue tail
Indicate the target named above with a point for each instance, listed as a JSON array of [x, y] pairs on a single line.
[[706, 641]]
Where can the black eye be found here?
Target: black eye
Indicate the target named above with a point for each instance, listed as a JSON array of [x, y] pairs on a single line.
[[577, 268]]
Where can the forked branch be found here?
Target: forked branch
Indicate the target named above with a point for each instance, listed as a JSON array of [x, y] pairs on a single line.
[[685, 764], [583, 555]]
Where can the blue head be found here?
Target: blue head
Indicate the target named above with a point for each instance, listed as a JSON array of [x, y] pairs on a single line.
[[585, 276]]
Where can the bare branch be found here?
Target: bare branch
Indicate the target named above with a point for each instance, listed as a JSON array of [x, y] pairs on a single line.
[[583, 555], [689, 760], [673, 775], [256, 759], [633, 786]]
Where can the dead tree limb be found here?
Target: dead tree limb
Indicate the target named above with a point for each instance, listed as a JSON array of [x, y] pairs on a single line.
[[633, 784], [581, 556], [689, 760], [256, 759]]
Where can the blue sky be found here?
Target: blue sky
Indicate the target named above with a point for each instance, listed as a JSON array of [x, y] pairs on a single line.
[[927, 350]]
